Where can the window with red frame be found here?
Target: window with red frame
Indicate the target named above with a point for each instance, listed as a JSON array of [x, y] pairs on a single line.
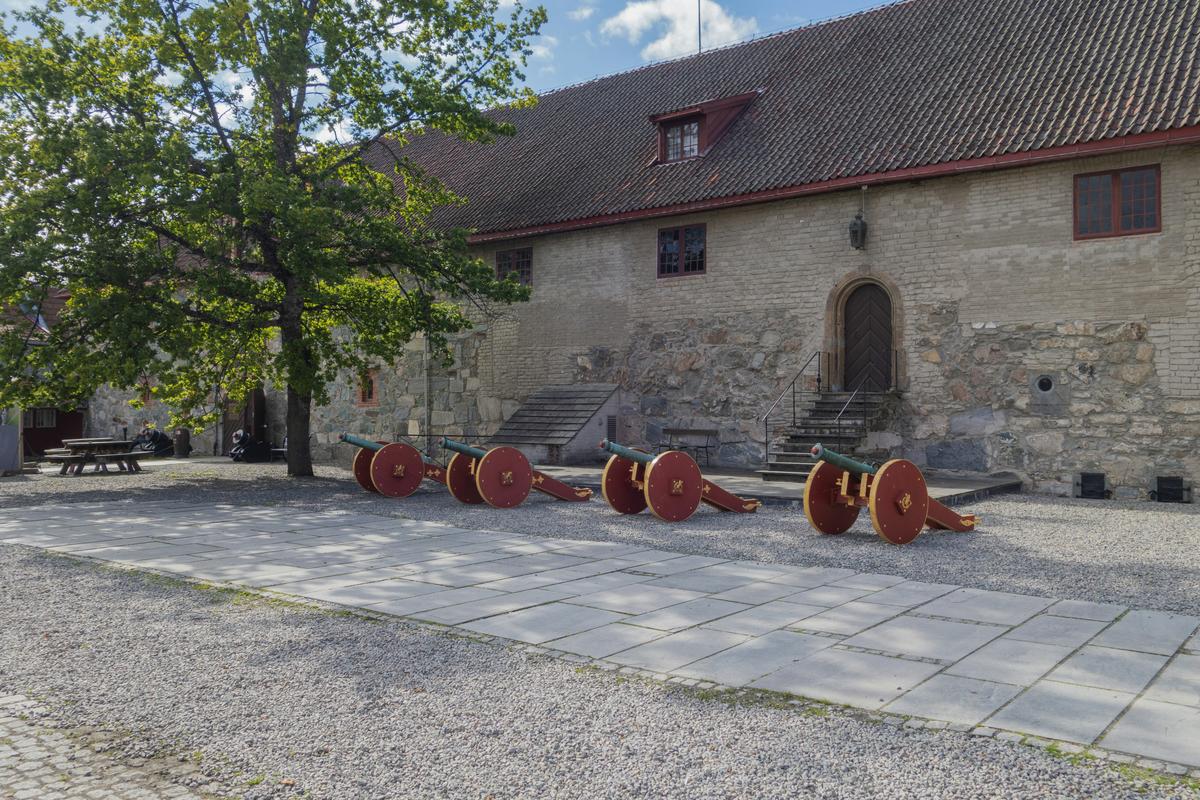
[[681, 251], [680, 140], [368, 388], [515, 262], [1118, 203]]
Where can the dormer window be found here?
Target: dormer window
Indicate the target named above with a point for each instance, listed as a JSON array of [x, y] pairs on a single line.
[[691, 132], [681, 141]]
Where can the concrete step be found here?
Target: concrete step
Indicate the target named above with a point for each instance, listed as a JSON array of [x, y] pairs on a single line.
[[815, 433], [791, 458], [781, 475]]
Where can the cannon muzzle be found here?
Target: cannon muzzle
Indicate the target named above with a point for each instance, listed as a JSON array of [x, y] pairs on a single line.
[[358, 441], [626, 452], [822, 453], [462, 447]]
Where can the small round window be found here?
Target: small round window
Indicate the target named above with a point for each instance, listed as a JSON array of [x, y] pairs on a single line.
[[1045, 383]]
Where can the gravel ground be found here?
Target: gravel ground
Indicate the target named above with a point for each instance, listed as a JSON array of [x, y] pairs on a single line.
[[1144, 555], [302, 701]]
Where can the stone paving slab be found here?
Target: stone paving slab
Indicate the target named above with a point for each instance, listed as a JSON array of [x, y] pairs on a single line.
[[606, 640], [1085, 609], [979, 605], [672, 652], [1159, 730], [864, 680], [687, 614], [1109, 668], [849, 618], [754, 658], [966, 701], [765, 618], [1149, 632], [1066, 631], [1090, 673], [543, 623], [1010, 661], [922, 637], [1179, 682], [1062, 711]]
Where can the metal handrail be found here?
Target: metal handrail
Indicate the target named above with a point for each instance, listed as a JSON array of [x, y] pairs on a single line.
[[791, 387], [853, 394], [793, 382]]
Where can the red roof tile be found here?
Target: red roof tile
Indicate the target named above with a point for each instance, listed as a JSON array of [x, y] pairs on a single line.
[[914, 84]]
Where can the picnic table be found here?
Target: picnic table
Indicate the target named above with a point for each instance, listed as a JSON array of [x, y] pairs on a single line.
[[75, 454]]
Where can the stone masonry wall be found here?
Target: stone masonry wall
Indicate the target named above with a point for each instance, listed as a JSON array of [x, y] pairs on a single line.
[[109, 414], [461, 405], [990, 292]]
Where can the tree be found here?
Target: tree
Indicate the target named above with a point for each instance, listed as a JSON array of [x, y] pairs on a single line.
[[193, 173]]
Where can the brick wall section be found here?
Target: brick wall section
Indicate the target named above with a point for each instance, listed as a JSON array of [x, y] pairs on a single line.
[[992, 291]]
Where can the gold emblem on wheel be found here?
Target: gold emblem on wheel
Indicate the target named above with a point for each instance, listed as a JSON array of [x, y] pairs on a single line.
[[506, 478], [398, 471], [677, 486], [905, 503]]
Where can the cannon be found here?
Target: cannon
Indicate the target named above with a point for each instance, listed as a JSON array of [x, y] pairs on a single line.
[[895, 494], [393, 469], [669, 484], [501, 477]]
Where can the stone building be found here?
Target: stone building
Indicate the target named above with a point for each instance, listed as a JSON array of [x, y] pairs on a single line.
[[1025, 295]]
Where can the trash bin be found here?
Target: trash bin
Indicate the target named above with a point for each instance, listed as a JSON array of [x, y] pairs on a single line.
[[183, 442]]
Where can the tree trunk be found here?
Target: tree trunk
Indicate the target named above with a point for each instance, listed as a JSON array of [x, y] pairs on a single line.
[[299, 403], [299, 452]]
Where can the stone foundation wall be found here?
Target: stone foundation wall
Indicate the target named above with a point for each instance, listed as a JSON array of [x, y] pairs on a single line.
[[1047, 401]]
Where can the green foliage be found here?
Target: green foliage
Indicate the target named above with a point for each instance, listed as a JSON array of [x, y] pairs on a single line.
[[220, 187]]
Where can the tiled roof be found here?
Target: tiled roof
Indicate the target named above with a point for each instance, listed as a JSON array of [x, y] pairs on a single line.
[[917, 83]]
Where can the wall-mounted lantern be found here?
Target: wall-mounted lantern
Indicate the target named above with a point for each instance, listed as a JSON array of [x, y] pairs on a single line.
[[858, 232]]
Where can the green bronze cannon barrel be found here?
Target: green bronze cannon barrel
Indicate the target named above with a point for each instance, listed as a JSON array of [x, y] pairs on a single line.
[[625, 452], [465, 449], [358, 441], [838, 460]]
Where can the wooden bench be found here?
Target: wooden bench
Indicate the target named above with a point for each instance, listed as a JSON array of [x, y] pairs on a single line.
[[70, 464], [697, 441], [127, 462]]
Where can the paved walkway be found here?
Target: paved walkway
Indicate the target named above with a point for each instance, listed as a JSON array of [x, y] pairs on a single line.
[[1087, 674], [45, 764]]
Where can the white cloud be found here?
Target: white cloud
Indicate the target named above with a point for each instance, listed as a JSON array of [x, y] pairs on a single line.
[[581, 13], [672, 23], [543, 47]]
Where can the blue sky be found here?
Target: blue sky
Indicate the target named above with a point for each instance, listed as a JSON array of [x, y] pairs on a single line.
[[587, 38]]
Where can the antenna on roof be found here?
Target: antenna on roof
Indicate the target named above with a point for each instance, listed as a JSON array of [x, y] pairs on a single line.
[[699, 29]]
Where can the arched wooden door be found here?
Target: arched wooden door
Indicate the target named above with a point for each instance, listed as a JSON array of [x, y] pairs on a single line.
[[867, 322]]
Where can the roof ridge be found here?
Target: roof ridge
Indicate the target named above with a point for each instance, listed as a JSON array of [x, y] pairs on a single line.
[[776, 34]]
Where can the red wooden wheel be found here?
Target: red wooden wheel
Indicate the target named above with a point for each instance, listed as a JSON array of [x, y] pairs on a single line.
[[899, 501], [362, 468], [673, 486], [397, 470], [503, 477], [823, 513], [618, 488], [460, 479]]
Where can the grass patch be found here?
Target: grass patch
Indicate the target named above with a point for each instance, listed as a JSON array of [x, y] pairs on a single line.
[[1148, 777]]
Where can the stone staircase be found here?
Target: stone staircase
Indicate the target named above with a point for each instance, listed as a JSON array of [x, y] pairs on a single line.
[[790, 457]]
